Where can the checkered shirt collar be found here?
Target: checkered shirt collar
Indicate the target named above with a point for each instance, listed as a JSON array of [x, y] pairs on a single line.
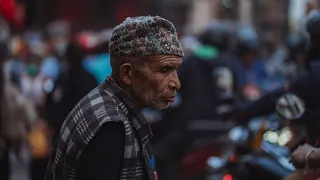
[[127, 105]]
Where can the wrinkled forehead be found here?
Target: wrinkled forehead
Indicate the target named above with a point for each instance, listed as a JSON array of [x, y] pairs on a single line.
[[159, 60]]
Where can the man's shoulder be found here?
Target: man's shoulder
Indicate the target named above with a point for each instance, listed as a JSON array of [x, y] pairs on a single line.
[[95, 109], [97, 104]]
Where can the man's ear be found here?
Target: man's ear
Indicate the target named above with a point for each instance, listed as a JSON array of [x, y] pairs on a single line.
[[126, 73]]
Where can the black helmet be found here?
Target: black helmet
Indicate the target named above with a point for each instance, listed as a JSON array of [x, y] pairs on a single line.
[[313, 23], [247, 40], [218, 34], [296, 43], [312, 28]]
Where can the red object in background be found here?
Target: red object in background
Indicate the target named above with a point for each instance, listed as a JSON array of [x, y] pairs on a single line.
[[195, 163], [19, 16], [13, 13], [227, 177], [7, 9], [251, 92], [233, 158], [88, 40], [318, 142], [124, 10]]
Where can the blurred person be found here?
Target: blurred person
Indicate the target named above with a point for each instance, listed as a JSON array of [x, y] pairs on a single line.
[[58, 37], [268, 45], [15, 63], [50, 68], [306, 86], [296, 44], [189, 44], [110, 137], [18, 114], [32, 81], [209, 75], [221, 35], [273, 56], [38, 138], [70, 86], [247, 46], [14, 115]]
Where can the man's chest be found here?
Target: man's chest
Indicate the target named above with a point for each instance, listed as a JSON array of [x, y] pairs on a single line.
[[142, 165]]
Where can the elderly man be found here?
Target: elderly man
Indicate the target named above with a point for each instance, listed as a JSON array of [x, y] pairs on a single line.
[[105, 136]]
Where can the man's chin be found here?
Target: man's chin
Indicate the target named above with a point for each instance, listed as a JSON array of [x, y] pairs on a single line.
[[161, 106]]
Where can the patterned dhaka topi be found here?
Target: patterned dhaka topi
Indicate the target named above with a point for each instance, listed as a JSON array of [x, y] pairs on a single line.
[[145, 35]]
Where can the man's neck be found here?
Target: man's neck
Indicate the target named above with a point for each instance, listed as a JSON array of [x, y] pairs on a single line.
[[127, 91]]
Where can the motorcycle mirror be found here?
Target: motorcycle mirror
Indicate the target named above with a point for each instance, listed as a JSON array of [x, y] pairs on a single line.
[[290, 107]]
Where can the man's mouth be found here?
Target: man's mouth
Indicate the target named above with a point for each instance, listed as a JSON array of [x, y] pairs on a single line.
[[170, 99]]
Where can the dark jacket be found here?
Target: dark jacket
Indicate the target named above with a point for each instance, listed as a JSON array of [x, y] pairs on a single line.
[[199, 92], [106, 103], [70, 87]]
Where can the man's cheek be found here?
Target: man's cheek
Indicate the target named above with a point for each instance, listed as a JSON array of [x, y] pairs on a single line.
[[159, 83]]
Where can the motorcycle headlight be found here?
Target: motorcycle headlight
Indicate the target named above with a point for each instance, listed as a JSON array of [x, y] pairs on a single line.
[[285, 136], [271, 136], [281, 138]]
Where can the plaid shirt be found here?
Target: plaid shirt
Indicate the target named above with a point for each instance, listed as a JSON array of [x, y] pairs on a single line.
[[106, 103]]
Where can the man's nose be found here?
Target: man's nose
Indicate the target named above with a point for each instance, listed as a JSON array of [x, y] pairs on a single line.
[[174, 82]]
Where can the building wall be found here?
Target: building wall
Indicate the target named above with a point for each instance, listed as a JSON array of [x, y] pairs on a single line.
[[201, 12], [273, 17]]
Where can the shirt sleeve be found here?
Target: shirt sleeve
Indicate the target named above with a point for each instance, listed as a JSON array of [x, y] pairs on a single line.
[[102, 159], [304, 87]]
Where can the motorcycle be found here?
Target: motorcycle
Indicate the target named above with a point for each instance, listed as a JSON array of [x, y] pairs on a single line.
[[210, 138], [256, 154], [292, 108], [207, 138], [258, 151]]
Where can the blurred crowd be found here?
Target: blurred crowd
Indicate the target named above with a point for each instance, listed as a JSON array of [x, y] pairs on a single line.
[[45, 73]]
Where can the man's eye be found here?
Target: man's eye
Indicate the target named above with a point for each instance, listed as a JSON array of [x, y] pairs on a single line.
[[164, 70]]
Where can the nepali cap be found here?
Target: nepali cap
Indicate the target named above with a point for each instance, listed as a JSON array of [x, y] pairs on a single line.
[[145, 35]]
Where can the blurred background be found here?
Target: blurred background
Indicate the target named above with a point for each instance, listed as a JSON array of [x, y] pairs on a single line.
[[53, 52]]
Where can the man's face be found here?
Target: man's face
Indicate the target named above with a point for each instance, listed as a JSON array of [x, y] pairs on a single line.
[[155, 80]]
